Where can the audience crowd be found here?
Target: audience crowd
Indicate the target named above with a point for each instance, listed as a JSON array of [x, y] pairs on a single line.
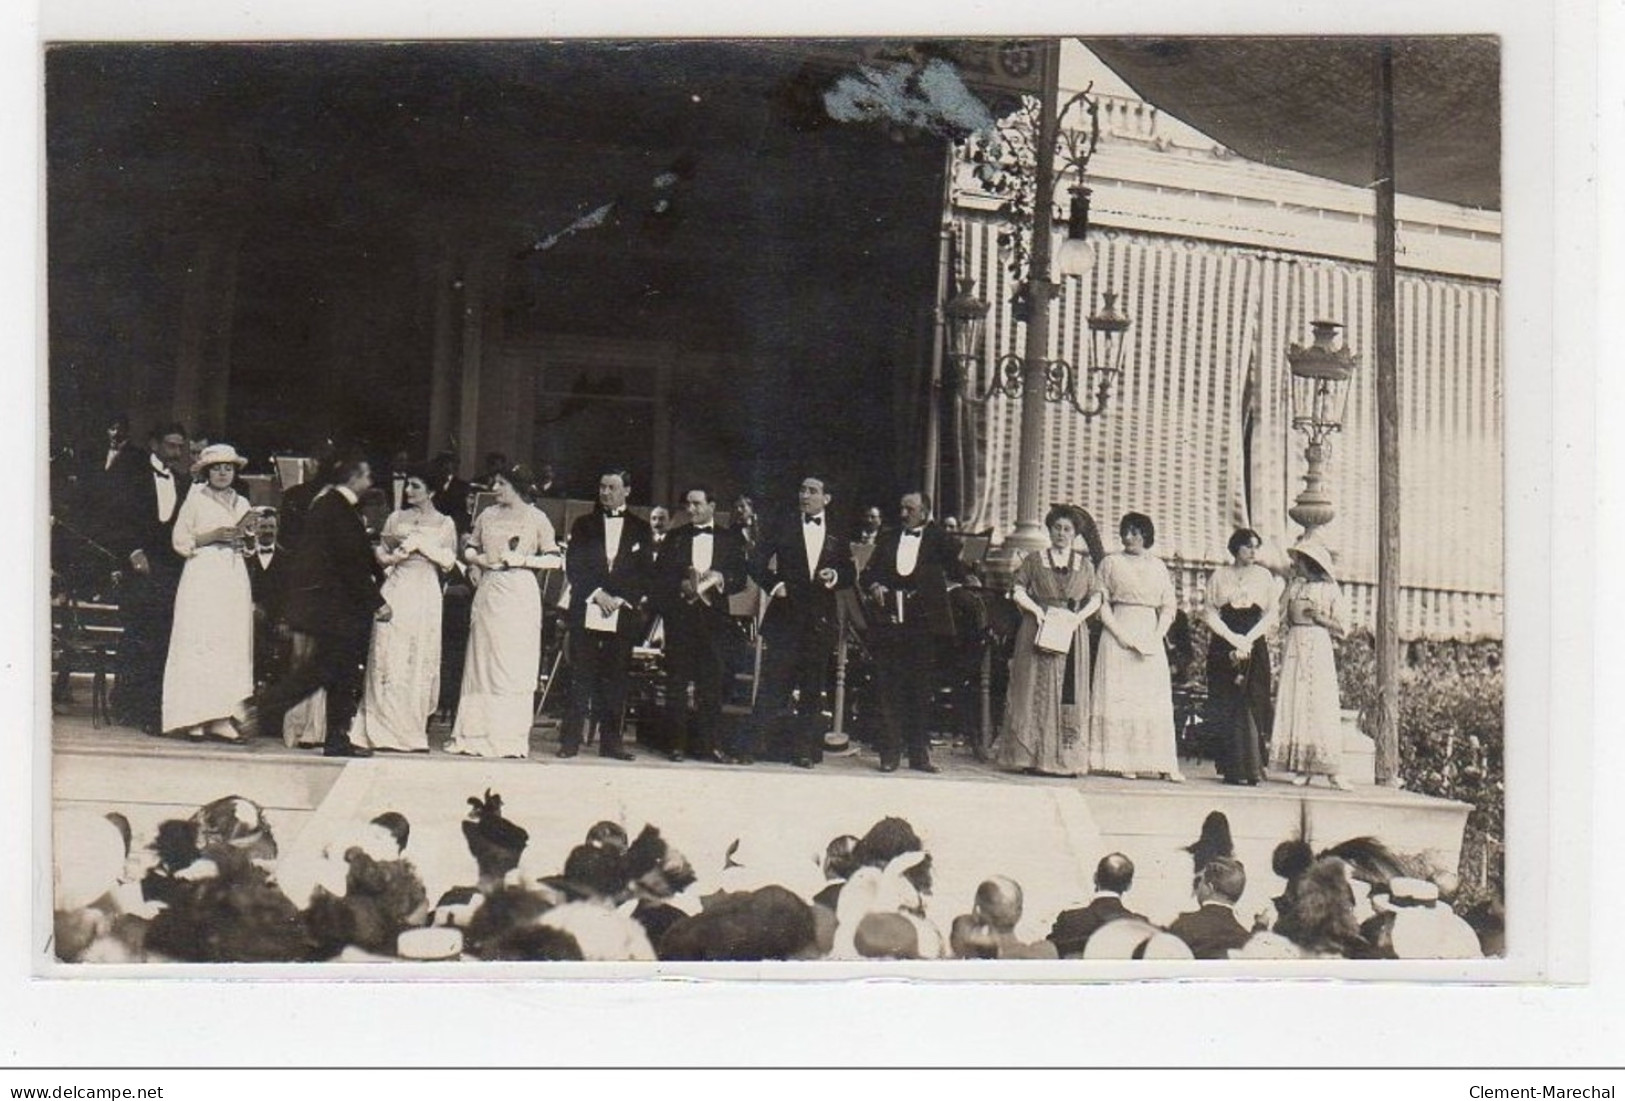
[[205, 890]]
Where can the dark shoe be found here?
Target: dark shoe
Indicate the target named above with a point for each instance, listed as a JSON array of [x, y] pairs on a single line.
[[345, 751], [567, 751], [744, 759], [924, 766], [676, 757], [617, 755], [802, 762], [888, 766], [723, 758]]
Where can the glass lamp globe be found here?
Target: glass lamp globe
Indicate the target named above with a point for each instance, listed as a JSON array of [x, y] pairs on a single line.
[[1073, 256]]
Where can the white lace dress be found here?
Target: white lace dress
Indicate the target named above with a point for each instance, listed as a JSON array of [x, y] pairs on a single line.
[[497, 702], [403, 664]]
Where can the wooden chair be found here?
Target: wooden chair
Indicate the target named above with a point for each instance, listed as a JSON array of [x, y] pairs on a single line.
[[85, 638]]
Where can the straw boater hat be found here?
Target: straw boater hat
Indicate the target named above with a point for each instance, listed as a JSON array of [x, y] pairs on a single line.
[[1316, 552], [217, 453]]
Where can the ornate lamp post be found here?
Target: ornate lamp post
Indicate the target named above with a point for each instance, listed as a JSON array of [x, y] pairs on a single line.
[[1027, 178], [1320, 394]]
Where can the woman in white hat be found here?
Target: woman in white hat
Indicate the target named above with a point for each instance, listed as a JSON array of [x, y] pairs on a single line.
[[211, 649], [1308, 739]]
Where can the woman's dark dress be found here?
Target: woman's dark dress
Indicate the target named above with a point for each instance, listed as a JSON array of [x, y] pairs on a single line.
[[1238, 700]]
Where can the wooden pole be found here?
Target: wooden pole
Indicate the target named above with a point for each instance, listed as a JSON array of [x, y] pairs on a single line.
[[933, 423], [1387, 763], [1030, 534]]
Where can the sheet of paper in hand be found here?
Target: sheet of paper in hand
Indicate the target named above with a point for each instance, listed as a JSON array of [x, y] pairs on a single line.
[[600, 620], [1055, 633]]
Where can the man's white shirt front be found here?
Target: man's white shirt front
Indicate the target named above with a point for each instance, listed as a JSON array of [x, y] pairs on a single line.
[[812, 536], [701, 552], [164, 481], [908, 552]]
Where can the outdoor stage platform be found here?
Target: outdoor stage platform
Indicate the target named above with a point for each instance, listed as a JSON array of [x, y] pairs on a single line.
[[975, 820]]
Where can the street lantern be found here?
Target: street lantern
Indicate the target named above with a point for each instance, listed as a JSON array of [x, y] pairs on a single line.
[[1320, 382], [1074, 255], [1320, 392], [1108, 333], [965, 315], [967, 325]]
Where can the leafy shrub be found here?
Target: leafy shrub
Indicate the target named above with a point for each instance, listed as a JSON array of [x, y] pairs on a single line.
[[1451, 737]]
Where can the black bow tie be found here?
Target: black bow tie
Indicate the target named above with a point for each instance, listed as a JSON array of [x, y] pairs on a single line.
[[812, 520], [707, 530], [164, 474], [613, 514], [913, 534]]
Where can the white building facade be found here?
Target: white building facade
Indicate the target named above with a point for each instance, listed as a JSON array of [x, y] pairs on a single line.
[[1222, 264]]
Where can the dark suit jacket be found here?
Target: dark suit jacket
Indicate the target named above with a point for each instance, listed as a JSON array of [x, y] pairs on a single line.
[[133, 511], [587, 565], [655, 597], [333, 579], [291, 516], [1211, 931], [266, 583], [937, 564], [452, 500], [1073, 928], [806, 604], [671, 568]]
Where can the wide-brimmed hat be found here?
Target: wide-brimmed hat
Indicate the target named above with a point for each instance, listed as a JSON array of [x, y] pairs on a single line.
[[217, 453], [1316, 552]]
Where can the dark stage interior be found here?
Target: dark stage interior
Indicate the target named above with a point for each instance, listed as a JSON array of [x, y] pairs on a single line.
[[281, 242]]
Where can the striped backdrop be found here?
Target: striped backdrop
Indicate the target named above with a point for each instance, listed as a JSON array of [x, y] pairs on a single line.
[[1207, 358]]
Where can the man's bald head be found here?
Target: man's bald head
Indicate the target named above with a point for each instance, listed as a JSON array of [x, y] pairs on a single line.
[[998, 902], [1115, 873]]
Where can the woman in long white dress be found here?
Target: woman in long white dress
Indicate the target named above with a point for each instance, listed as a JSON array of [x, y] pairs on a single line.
[[512, 540], [1131, 720], [418, 544], [210, 667], [1308, 737]]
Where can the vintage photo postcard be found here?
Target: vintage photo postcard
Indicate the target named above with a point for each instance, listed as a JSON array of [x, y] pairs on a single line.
[[953, 507]]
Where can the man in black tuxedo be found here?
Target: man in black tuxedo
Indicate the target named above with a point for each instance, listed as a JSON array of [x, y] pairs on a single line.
[[330, 601], [1212, 930], [906, 581], [298, 499], [606, 562], [118, 442], [450, 493], [1114, 875], [698, 570], [659, 533], [147, 488], [267, 568], [869, 532], [799, 569]]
